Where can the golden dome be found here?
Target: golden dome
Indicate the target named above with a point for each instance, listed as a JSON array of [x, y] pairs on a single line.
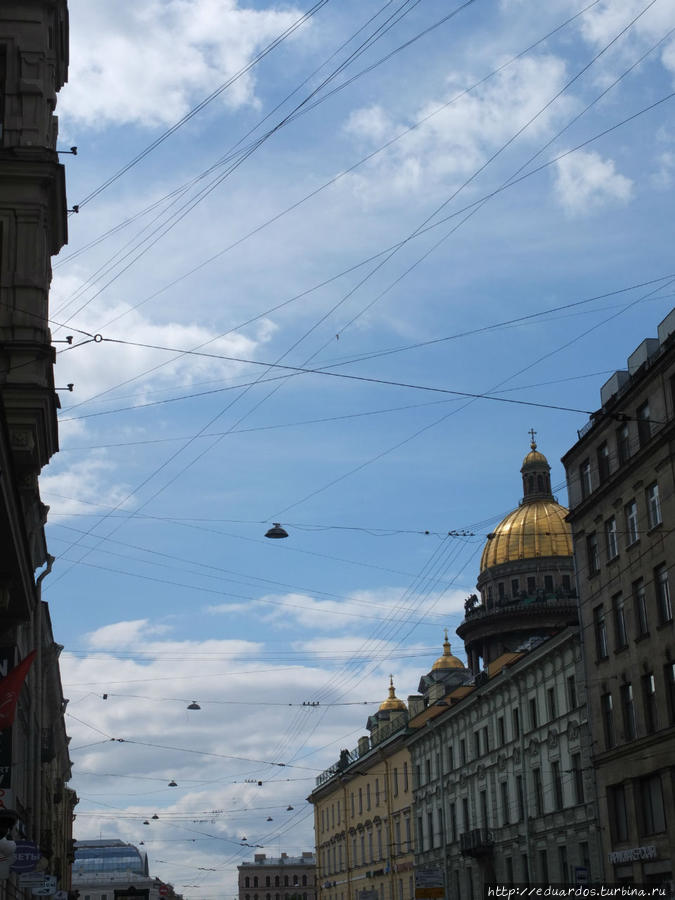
[[392, 702], [447, 661], [537, 528], [534, 457]]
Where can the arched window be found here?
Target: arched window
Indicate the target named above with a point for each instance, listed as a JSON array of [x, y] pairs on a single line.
[[267, 881], [540, 483], [285, 880], [255, 881], [276, 883], [530, 484], [295, 879], [304, 880], [247, 882]]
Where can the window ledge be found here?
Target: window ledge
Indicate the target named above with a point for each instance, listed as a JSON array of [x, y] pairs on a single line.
[[642, 637], [621, 649], [668, 624], [654, 528]]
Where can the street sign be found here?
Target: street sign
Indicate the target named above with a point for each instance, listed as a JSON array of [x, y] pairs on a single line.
[[26, 857], [429, 883], [581, 875], [35, 879]]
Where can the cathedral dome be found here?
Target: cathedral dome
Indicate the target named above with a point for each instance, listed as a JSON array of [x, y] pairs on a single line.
[[447, 661], [538, 528], [535, 529], [392, 702]]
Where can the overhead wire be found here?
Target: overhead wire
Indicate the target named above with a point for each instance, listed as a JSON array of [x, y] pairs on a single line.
[[203, 103], [193, 202]]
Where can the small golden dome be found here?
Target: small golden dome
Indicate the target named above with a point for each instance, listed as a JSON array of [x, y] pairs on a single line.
[[447, 661], [534, 457], [537, 528], [392, 702]]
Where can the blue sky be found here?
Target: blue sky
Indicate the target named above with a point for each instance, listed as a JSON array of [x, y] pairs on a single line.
[[377, 220]]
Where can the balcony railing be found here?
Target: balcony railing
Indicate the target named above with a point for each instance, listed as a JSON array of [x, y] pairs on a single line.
[[477, 842], [507, 603], [346, 758]]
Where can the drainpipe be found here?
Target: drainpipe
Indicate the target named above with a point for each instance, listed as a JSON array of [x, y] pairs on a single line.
[[37, 636], [526, 799]]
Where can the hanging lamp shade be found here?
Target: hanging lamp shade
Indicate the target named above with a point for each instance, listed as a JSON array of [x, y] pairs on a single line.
[[276, 531], [289, 808], [155, 816], [194, 705], [146, 822], [172, 783]]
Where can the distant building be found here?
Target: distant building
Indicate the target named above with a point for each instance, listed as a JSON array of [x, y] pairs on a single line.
[[621, 482], [363, 821], [502, 781], [115, 870], [278, 878]]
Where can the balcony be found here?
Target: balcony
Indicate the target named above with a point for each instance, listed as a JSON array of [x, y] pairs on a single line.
[[477, 842]]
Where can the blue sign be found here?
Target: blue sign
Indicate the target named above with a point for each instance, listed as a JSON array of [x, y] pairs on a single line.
[[27, 857]]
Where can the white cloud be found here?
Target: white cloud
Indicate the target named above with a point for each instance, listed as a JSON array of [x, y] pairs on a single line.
[[458, 139], [74, 489], [149, 61], [366, 606], [585, 182]]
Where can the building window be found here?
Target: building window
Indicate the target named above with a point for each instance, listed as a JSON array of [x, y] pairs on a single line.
[[592, 554], [651, 813], [669, 677], [611, 538], [551, 704], [508, 862], [585, 478], [395, 782], [607, 708], [543, 866], [506, 818], [515, 717], [572, 702], [623, 443], [653, 505], [640, 604], [643, 423], [531, 586], [649, 702], [600, 628], [534, 718], [557, 785], [538, 792], [628, 712], [548, 584], [515, 587], [453, 822], [603, 462], [462, 751], [620, 636], [501, 731], [486, 741], [360, 801], [578, 776], [618, 812], [408, 833], [451, 758], [427, 770], [562, 864], [352, 801], [377, 792], [405, 777], [466, 824], [476, 744], [368, 796], [247, 882], [632, 532], [520, 796], [663, 599], [430, 827]]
